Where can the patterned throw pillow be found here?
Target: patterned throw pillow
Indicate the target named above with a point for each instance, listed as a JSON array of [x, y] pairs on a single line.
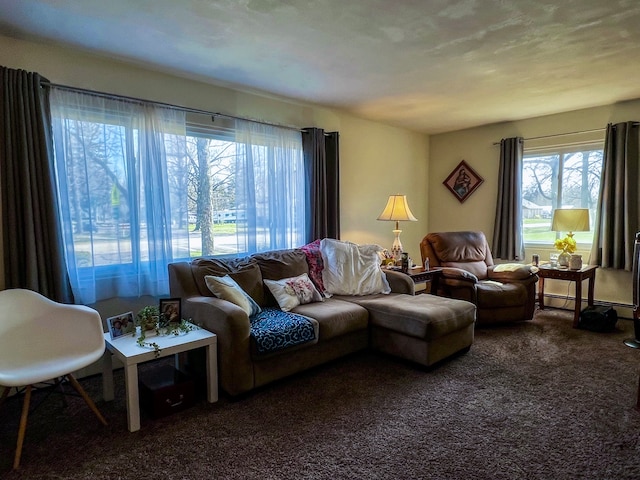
[[294, 291], [316, 265], [227, 289]]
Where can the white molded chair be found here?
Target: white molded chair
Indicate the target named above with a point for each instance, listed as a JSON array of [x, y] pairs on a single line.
[[41, 340]]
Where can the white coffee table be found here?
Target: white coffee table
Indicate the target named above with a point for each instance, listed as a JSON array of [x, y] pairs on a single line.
[[131, 354]]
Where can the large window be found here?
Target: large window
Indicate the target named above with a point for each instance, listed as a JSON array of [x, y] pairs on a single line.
[[142, 186], [566, 177]]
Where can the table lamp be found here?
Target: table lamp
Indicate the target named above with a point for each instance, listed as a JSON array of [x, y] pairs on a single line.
[[397, 210], [569, 220]]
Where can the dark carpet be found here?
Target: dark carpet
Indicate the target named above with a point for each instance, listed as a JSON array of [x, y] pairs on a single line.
[[535, 400]]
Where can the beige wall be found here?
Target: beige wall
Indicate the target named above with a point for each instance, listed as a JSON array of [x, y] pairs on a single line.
[[476, 146]]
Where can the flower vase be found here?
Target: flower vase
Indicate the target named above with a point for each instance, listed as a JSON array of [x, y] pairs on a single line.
[[563, 259]]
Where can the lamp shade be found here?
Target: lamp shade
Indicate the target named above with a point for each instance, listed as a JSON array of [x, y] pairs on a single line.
[[570, 220], [397, 209]]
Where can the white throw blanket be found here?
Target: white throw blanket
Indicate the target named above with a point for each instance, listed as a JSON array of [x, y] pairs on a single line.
[[351, 269]]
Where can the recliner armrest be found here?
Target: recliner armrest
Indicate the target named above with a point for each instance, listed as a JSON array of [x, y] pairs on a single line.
[[453, 273]]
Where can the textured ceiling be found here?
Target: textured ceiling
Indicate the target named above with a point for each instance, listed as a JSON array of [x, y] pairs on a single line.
[[431, 66]]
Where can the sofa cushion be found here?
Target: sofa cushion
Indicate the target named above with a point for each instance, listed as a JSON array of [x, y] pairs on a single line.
[[422, 316], [294, 291], [219, 267], [279, 264], [250, 279], [227, 289], [335, 317]]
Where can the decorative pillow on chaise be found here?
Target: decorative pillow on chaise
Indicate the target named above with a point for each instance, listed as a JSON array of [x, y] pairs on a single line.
[[294, 291], [351, 269], [226, 288]]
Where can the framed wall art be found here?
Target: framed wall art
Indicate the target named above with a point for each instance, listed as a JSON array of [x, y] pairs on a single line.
[[463, 181]]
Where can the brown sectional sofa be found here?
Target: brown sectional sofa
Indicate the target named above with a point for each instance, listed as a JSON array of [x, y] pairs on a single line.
[[421, 328]]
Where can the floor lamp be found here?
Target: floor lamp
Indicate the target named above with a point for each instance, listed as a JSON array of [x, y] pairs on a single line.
[[635, 278]]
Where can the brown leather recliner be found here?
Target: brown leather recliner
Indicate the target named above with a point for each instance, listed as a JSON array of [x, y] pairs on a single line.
[[502, 293]]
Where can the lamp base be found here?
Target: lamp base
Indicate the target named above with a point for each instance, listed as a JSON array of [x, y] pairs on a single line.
[[634, 342], [396, 248]]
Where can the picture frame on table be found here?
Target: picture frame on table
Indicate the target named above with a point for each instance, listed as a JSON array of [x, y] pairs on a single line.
[[121, 325], [463, 181], [170, 310]]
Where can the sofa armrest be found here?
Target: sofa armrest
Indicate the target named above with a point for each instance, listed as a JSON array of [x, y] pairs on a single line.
[[231, 325], [400, 283], [506, 272], [181, 281]]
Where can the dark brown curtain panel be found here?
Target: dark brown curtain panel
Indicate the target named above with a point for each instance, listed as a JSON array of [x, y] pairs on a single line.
[[617, 215], [508, 236], [322, 159], [32, 240]]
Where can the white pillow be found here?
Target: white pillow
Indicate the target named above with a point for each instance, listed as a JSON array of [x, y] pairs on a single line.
[[294, 291], [227, 289], [351, 269]]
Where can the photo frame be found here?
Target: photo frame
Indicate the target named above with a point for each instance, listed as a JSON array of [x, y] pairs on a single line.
[[170, 310], [121, 325], [463, 181]]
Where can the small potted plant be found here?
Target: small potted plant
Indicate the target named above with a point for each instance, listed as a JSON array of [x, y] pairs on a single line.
[[147, 318]]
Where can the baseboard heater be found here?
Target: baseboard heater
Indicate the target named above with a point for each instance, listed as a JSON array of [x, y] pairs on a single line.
[[595, 302]]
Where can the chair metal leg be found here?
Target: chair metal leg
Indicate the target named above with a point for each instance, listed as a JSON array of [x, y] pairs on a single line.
[[86, 398], [23, 426]]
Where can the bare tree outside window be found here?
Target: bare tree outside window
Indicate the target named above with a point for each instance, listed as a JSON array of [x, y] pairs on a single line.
[[564, 178]]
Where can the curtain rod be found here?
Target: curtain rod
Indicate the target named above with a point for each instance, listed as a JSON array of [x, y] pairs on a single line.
[[562, 134], [167, 105]]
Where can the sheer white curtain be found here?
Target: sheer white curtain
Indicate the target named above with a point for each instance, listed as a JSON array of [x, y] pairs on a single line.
[[120, 175], [270, 187]]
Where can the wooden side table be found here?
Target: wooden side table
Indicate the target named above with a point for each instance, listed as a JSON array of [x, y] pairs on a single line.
[[587, 272], [431, 276]]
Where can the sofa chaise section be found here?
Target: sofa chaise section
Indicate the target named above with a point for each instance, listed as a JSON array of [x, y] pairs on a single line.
[[424, 329]]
